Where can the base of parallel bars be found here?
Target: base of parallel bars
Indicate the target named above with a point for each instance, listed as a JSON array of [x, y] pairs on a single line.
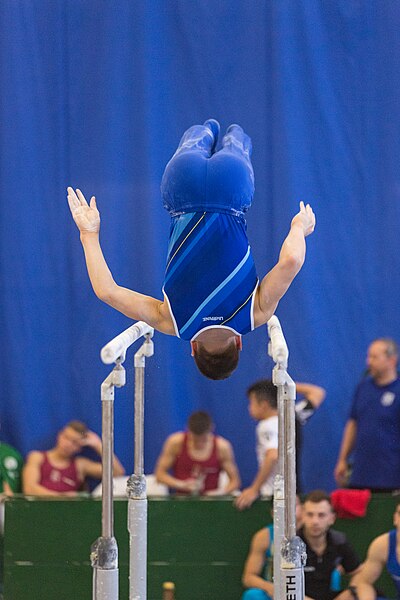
[[105, 584], [293, 559], [292, 584], [104, 559], [137, 527]]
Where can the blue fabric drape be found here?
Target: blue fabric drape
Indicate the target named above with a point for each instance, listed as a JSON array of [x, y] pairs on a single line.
[[96, 95]]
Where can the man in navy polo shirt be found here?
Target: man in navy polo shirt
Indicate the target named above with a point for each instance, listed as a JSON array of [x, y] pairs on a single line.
[[372, 433]]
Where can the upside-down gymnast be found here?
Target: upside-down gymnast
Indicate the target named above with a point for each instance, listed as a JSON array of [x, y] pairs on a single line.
[[212, 295]]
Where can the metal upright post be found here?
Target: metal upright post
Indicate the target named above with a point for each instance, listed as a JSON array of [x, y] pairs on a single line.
[[137, 503], [104, 551], [289, 555]]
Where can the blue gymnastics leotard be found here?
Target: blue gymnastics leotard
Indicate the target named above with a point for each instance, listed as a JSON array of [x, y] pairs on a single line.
[[210, 277]]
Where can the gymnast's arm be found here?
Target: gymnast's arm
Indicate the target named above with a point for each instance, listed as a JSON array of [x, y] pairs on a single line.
[[291, 259], [132, 304], [347, 445], [253, 567], [372, 568], [314, 394], [92, 468], [251, 493]]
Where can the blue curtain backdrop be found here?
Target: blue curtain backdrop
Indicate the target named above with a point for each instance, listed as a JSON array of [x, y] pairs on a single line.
[[96, 94]]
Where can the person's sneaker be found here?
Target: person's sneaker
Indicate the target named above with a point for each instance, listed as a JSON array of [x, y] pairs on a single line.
[[214, 126]]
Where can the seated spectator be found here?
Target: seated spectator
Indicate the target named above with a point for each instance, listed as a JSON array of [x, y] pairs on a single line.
[[329, 554], [263, 400], [59, 472], [258, 569], [11, 463], [383, 552], [196, 458]]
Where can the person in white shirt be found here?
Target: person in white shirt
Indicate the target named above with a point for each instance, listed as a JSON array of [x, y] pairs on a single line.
[[263, 399]]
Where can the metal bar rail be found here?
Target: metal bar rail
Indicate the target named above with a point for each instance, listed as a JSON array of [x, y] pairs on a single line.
[[104, 551], [289, 555]]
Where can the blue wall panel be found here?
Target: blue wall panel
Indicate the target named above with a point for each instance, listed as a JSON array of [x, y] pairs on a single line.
[[96, 95]]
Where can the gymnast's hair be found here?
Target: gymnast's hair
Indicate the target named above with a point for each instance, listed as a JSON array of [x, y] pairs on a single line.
[[264, 391], [200, 422], [217, 366]]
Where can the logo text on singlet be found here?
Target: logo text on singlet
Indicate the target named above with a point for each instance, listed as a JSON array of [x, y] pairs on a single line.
[[213, 318]]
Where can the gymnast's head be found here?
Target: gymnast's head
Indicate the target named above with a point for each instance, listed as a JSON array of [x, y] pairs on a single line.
[[216, 352]]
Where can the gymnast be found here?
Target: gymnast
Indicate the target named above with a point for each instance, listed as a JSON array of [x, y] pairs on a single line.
[[212, 295]]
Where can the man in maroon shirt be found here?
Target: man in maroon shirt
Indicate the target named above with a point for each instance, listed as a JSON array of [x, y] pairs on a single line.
[[59, 472], [196, 459]]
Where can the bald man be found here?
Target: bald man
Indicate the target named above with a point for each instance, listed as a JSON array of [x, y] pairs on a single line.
[[372, 433]]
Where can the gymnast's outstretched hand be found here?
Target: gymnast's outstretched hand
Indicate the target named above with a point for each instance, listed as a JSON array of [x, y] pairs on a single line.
[[305, 218], [86, 216]]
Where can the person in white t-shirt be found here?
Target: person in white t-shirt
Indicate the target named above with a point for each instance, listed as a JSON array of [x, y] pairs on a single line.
[[262, 397]]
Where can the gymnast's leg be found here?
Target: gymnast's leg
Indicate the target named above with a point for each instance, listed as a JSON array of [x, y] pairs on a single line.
[[237, 143], [183, 185], [200, 138], [230, 175]]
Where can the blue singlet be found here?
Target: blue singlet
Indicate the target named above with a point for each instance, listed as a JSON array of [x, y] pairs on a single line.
[[210, 278], [392, 564]]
